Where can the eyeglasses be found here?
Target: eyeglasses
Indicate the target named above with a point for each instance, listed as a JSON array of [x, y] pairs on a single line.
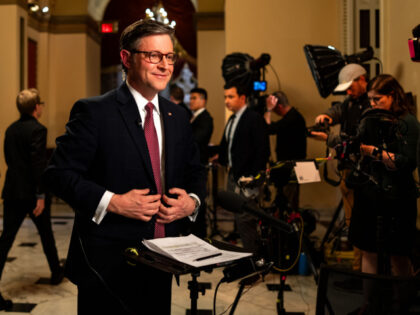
[[375, 99], [156, 56]]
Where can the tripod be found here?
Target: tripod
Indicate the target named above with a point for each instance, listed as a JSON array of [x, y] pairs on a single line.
[[283, 208], [212, 200]]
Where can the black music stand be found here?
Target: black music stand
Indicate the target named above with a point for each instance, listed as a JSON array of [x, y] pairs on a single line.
[[177, 268]]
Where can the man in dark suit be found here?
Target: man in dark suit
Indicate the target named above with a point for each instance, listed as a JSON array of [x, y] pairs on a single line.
[[244, 149], [129, 166], [201, 122], [23, 193], [202, 127]]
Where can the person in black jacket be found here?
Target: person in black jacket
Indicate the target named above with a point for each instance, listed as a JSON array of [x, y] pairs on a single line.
[[177, 97], [290, 134], [353, 79], [23, 192], [201, 122], [383, 223], [244, 150], [202, 127], [129, 167]]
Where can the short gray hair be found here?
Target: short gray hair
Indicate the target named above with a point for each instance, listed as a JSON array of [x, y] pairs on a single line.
[[281, 98]]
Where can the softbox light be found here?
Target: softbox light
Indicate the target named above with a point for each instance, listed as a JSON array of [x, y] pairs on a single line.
[[326, 62]]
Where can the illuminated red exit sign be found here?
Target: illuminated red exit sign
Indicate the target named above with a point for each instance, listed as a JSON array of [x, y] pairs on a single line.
[[109, 27]]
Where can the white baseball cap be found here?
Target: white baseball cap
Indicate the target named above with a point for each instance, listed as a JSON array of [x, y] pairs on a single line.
[[347, 75]]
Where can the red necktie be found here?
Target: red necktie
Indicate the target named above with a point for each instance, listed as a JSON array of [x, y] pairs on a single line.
[[153, 146]]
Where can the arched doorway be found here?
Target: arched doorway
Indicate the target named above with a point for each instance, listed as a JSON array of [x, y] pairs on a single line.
[[126, 12]]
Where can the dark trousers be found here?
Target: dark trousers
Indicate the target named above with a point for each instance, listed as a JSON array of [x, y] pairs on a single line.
[[107, 284], [14, 212]]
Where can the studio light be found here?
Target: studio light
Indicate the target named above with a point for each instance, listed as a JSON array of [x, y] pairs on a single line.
[[326, 62], [34, 7], [40, 9]]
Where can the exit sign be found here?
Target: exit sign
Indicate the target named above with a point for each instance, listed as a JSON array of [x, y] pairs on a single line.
[[109, 27]]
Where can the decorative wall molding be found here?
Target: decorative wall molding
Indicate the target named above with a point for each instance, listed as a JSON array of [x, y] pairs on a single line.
[[67, 24], [21, 3]]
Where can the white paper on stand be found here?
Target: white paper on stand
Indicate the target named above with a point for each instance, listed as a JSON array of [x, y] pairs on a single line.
[[187, 249], [306, 172]]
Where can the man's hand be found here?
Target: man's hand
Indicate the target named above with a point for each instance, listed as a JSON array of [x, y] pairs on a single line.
[[319, 135], [135, 204], [321, 118], [40, 205], [388, 158], [366, 149], [181, 206], [271, 102], [214, 158]]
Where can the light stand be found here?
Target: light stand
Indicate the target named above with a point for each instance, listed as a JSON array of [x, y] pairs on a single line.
[[212, 169], [244, 282]]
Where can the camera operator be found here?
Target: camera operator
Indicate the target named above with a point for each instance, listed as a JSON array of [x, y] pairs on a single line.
[[389, 157], [352, 79], [290, 134]]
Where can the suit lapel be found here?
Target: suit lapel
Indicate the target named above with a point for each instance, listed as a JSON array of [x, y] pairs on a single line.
[[169, 130], [131, 117], [241, 121]]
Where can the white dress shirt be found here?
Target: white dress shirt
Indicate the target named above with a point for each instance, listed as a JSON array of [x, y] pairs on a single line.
[[196, 113], [235, 121], [141, 103]]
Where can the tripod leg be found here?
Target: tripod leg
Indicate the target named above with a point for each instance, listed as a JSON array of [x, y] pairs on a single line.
[[238, 296], [331, 225]]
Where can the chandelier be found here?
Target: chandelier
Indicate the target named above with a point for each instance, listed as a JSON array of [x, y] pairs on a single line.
[[158, 13], [40, 8]]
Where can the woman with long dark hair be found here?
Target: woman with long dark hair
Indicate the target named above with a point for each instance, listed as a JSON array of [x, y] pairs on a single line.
[[384, 215]]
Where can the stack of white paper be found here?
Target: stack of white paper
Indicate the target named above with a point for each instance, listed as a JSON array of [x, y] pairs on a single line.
[[192, 250]]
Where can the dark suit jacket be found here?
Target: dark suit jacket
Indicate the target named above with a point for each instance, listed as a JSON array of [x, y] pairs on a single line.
[[104, 148], [202, 127], [184, 106], [250, 146], [25, 153]]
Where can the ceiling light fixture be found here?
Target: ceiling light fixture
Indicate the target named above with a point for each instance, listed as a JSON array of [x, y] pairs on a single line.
[[158, 13]]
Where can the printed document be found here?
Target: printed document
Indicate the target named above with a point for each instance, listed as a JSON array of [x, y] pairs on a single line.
[[192, 250]]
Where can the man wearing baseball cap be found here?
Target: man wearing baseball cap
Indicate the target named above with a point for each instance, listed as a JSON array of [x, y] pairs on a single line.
[[353, 79]]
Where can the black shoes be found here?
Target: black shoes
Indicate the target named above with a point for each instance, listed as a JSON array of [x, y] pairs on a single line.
[[5, 304], [57, 276]]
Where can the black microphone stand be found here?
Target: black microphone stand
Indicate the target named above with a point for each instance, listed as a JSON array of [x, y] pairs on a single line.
[[244, 282]]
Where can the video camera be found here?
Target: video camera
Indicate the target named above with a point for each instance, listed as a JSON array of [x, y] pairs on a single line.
[[348, 147], [377, 127], [321, 127], [248, 72]]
